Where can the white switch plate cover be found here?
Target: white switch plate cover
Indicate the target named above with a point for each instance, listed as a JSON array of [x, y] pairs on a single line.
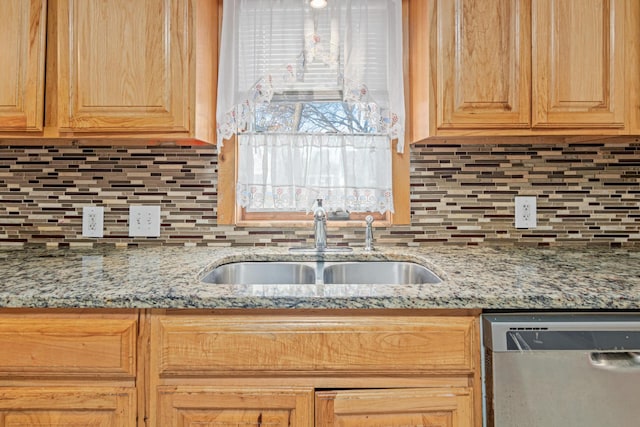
[[526, 212], [93, 221], [144, 221]]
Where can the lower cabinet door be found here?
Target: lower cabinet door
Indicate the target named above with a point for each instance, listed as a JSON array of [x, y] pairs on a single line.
[[441, 407], [227, 407], [67, 407]]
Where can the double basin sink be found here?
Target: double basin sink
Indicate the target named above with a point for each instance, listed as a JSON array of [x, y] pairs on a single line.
[[321, 272]]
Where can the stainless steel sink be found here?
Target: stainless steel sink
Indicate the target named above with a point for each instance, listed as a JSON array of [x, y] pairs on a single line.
[[321, 272], [378, 272], [254, 273]]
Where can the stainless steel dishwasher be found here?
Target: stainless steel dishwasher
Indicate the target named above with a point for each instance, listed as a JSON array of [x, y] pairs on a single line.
[[562, 370]]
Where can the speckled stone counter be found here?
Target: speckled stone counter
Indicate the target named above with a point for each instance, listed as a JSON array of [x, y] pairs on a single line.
[[473, 278]]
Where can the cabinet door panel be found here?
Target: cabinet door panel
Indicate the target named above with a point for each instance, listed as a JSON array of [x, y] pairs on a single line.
[[484, 53], [227, 407], [632, 65], [394, 408], [578, 63], [124, 65], [22, 52], [67, 406]]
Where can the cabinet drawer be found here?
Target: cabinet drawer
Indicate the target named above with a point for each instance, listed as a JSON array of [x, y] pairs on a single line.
[[68, 344], [68, 406], [232, 344]]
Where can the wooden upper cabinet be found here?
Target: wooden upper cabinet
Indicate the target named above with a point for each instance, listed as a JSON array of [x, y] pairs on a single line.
[[578, 63], [522, 67], [123, 65], [632, 64], [483, 64], [114, 69], [22, 55]]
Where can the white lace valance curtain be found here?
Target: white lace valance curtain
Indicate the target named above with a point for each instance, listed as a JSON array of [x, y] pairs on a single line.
[[280, 172], [273, 46]]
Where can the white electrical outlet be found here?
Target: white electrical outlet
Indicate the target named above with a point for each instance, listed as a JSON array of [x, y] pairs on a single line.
[[526, 212], [144, 221], [92, 221]]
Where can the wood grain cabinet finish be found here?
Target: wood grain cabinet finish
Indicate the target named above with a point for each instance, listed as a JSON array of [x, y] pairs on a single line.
[[123, 65], [22, 55], [578, 63], [68, 368], [227, 345], [313, 369], [632, 64], [233, 406], [67, 407], [521, 67], [446, 407], [114, 69], [484, 64], [68, 345], [187, 368]]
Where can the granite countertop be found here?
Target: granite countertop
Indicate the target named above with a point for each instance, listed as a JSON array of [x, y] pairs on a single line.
[[473, 278]]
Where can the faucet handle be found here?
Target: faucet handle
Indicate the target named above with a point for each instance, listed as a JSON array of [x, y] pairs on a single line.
[[319, 213]]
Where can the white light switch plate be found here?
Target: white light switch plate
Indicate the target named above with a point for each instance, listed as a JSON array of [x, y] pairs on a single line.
[[93, 221], [144, 221], [526, 212]]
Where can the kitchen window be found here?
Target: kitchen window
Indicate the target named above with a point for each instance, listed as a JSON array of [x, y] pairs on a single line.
[[310, 106]]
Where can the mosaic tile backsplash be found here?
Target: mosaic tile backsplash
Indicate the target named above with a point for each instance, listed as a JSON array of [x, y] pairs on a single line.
[[588, 193]]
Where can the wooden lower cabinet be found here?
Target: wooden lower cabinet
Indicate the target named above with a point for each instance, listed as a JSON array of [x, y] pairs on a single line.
[[299, 369], [68, 368], [228, 368], [232, 407], [67, 406], [289, 407], [433, 407]]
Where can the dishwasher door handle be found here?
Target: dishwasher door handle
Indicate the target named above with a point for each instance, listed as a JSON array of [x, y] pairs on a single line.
[[615, 360]]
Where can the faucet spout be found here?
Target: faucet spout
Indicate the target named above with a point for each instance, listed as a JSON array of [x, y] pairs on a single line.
[[320, 227]]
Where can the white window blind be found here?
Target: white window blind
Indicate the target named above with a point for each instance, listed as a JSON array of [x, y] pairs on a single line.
[[276, 46]]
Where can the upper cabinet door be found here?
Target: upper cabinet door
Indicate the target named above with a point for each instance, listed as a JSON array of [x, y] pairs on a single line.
[[123, 65], [22, 53], [578, 63], [483, 54]]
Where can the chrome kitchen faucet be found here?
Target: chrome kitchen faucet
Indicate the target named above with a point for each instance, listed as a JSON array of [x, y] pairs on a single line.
[[320, 227], [368, 234], [320, 234]]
